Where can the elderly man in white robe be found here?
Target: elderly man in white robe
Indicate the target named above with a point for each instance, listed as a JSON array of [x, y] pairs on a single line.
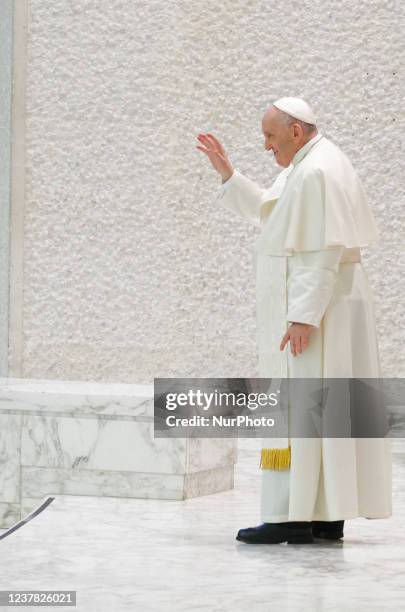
[[313, 295]]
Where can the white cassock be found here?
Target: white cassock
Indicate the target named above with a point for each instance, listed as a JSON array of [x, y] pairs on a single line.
[[313, 221]]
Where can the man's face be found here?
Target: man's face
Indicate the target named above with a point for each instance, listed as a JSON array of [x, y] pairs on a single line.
[[284, 140]]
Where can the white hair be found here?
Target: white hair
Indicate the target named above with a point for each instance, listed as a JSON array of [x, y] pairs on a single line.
[[287, 119]]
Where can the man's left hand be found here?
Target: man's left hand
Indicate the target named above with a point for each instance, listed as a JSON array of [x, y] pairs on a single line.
[[298, 336]]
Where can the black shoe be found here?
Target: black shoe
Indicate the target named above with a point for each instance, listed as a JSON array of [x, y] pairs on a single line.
[[276, 533], [328, 530]]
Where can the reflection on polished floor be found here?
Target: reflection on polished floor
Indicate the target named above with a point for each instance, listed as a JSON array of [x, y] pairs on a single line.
[[150, 555]]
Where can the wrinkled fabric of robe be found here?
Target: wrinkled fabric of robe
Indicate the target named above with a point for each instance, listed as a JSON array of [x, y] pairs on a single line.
[[314, 219]]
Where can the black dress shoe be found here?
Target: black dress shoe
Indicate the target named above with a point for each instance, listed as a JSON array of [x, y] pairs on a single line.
[[328, 530], [276, 533]]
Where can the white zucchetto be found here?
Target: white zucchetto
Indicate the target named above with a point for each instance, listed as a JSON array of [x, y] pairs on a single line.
[[296, 107]]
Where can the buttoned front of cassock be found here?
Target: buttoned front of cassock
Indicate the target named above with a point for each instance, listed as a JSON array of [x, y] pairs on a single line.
[[313, 221]]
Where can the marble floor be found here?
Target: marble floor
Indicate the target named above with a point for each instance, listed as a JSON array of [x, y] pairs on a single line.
[[152, 555]]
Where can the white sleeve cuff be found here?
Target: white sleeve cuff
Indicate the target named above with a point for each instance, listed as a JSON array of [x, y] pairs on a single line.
[[309, 293], [311, 284], [242, 196]]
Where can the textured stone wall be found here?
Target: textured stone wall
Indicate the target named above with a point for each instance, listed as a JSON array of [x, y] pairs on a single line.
[[131, 269]]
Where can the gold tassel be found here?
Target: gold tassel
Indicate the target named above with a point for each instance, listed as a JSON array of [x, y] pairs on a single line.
[[275, 458]]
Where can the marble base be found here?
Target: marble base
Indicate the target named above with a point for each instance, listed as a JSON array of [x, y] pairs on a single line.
[[9, 514], [97, 439]]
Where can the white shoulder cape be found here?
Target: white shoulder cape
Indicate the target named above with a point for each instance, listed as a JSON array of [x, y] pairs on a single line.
[[321, 203]]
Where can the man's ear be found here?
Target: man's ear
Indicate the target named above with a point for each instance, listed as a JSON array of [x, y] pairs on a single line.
[[298, 132]]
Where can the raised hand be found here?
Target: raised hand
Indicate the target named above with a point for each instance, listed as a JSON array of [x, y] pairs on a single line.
[[216, 154]]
